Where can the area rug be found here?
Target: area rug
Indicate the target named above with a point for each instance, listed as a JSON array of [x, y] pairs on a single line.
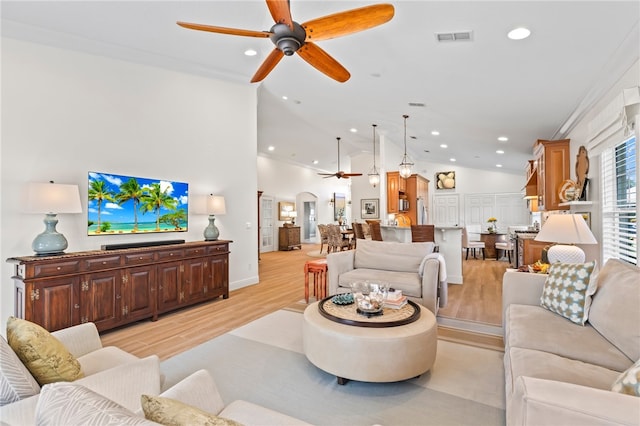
[[263, 362], [316, 253]]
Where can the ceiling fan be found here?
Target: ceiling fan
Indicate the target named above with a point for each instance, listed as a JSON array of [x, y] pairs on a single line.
[[291, 37], [339, 174]]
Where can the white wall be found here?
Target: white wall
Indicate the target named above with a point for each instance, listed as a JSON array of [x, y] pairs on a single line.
[[66, 113], [285, 181], [579, 136]]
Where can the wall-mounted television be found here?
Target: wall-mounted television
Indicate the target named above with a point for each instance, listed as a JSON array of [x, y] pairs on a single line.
[[119, 204]]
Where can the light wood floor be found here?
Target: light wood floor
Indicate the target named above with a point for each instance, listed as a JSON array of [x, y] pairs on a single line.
[[282, 284]]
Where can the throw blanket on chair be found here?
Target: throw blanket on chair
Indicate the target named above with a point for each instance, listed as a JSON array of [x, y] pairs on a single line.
[[443, 286]]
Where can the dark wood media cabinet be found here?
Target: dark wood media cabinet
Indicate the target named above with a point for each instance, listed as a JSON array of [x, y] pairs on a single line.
[[117, 287]]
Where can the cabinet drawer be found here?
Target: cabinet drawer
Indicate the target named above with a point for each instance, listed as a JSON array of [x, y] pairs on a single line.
[[196, 251], [135, 259], [56, 268], [170, 254], [103, 262], [222, 248]]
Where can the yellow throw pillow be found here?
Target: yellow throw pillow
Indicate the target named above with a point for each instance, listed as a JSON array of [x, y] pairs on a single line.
[[44, 356], [170, 412]]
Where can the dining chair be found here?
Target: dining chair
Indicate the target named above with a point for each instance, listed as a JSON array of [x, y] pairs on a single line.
[[423, 233], [466, 244], [336, 241], [376, 233], [324, 236]]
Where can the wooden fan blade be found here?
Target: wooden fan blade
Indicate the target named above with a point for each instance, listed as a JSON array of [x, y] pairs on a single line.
[[224, 30], [280, 12], [323, 62], [348, 22], [268, 65], [352, 174]]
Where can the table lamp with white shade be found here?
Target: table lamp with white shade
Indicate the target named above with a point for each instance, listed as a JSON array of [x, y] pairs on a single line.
[[293, 214], [51, 199], [214, 204], [566, 230]]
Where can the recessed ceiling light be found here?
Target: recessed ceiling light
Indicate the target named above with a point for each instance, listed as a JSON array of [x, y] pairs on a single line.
[[353, 130], [453, 160], [444, 145], [503, 138], [315, 161], [498, 165], [285, 97], [250, 52], [271, 148], [519, 33], [499, 151], [435, 133]]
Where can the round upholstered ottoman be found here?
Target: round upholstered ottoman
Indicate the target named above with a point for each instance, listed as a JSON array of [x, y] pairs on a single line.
[[367, 354]]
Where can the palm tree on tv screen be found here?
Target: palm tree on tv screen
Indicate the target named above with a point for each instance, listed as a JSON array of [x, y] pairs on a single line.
[[154, 199], [131, 190], [99, 192]]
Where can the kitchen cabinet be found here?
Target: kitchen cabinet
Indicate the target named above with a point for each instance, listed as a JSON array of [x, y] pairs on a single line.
[[112, 288], [551, 162], [407, 196]]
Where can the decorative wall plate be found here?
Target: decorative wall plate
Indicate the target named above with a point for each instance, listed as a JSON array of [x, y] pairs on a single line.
[[568, 191]]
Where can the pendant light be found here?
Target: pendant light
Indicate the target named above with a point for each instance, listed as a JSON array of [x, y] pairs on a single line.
[[374, 175], [406, 165]]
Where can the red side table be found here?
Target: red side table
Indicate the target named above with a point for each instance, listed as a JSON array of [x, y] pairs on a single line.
[[319, 270]]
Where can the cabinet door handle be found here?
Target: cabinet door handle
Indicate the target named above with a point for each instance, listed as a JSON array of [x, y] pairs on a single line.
[[76, 306], [118, 296]]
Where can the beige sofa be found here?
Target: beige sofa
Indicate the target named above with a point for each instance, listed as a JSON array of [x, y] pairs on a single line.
[[411, 267], [561, 373], [115, 378], [109, 370], [72, 404]]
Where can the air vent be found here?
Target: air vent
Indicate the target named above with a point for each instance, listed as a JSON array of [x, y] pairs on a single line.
[[417, 104], [457, 36]]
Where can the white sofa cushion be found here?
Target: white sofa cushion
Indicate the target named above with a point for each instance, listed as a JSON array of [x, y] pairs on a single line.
[[105, 358], [545, 365], [16, 382], [614, 310], [391, 256], [533, 327], [72, 404]]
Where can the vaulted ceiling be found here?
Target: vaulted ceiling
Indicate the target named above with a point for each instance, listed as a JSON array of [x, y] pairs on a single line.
[[470, 91]]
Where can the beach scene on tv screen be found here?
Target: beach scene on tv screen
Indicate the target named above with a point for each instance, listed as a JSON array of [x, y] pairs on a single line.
[[119, 204]]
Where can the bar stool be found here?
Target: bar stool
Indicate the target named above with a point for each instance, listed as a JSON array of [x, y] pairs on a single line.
[[318, 268]]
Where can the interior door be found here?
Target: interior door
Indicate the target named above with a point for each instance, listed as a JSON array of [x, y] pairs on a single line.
[[310, 221], [267, 222], [446, 210]]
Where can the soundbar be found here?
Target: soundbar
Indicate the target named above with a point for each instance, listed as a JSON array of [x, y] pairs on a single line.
[[141, 244]]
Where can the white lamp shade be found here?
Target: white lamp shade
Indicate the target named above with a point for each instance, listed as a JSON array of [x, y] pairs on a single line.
[[216, 205], [293, 213], [566, 229], [52, 198]]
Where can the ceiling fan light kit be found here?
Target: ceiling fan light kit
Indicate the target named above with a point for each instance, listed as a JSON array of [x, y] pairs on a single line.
[[290, 37], [406, 166], [374, 175]]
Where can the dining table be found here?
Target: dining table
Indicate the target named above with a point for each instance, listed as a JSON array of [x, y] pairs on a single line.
[[489, 239]]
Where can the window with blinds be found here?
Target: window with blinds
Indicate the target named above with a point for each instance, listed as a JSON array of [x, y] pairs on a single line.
[[619, 213]]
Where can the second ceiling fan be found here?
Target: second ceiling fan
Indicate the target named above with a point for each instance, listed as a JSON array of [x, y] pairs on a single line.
[[290, 37], [339, 174]]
